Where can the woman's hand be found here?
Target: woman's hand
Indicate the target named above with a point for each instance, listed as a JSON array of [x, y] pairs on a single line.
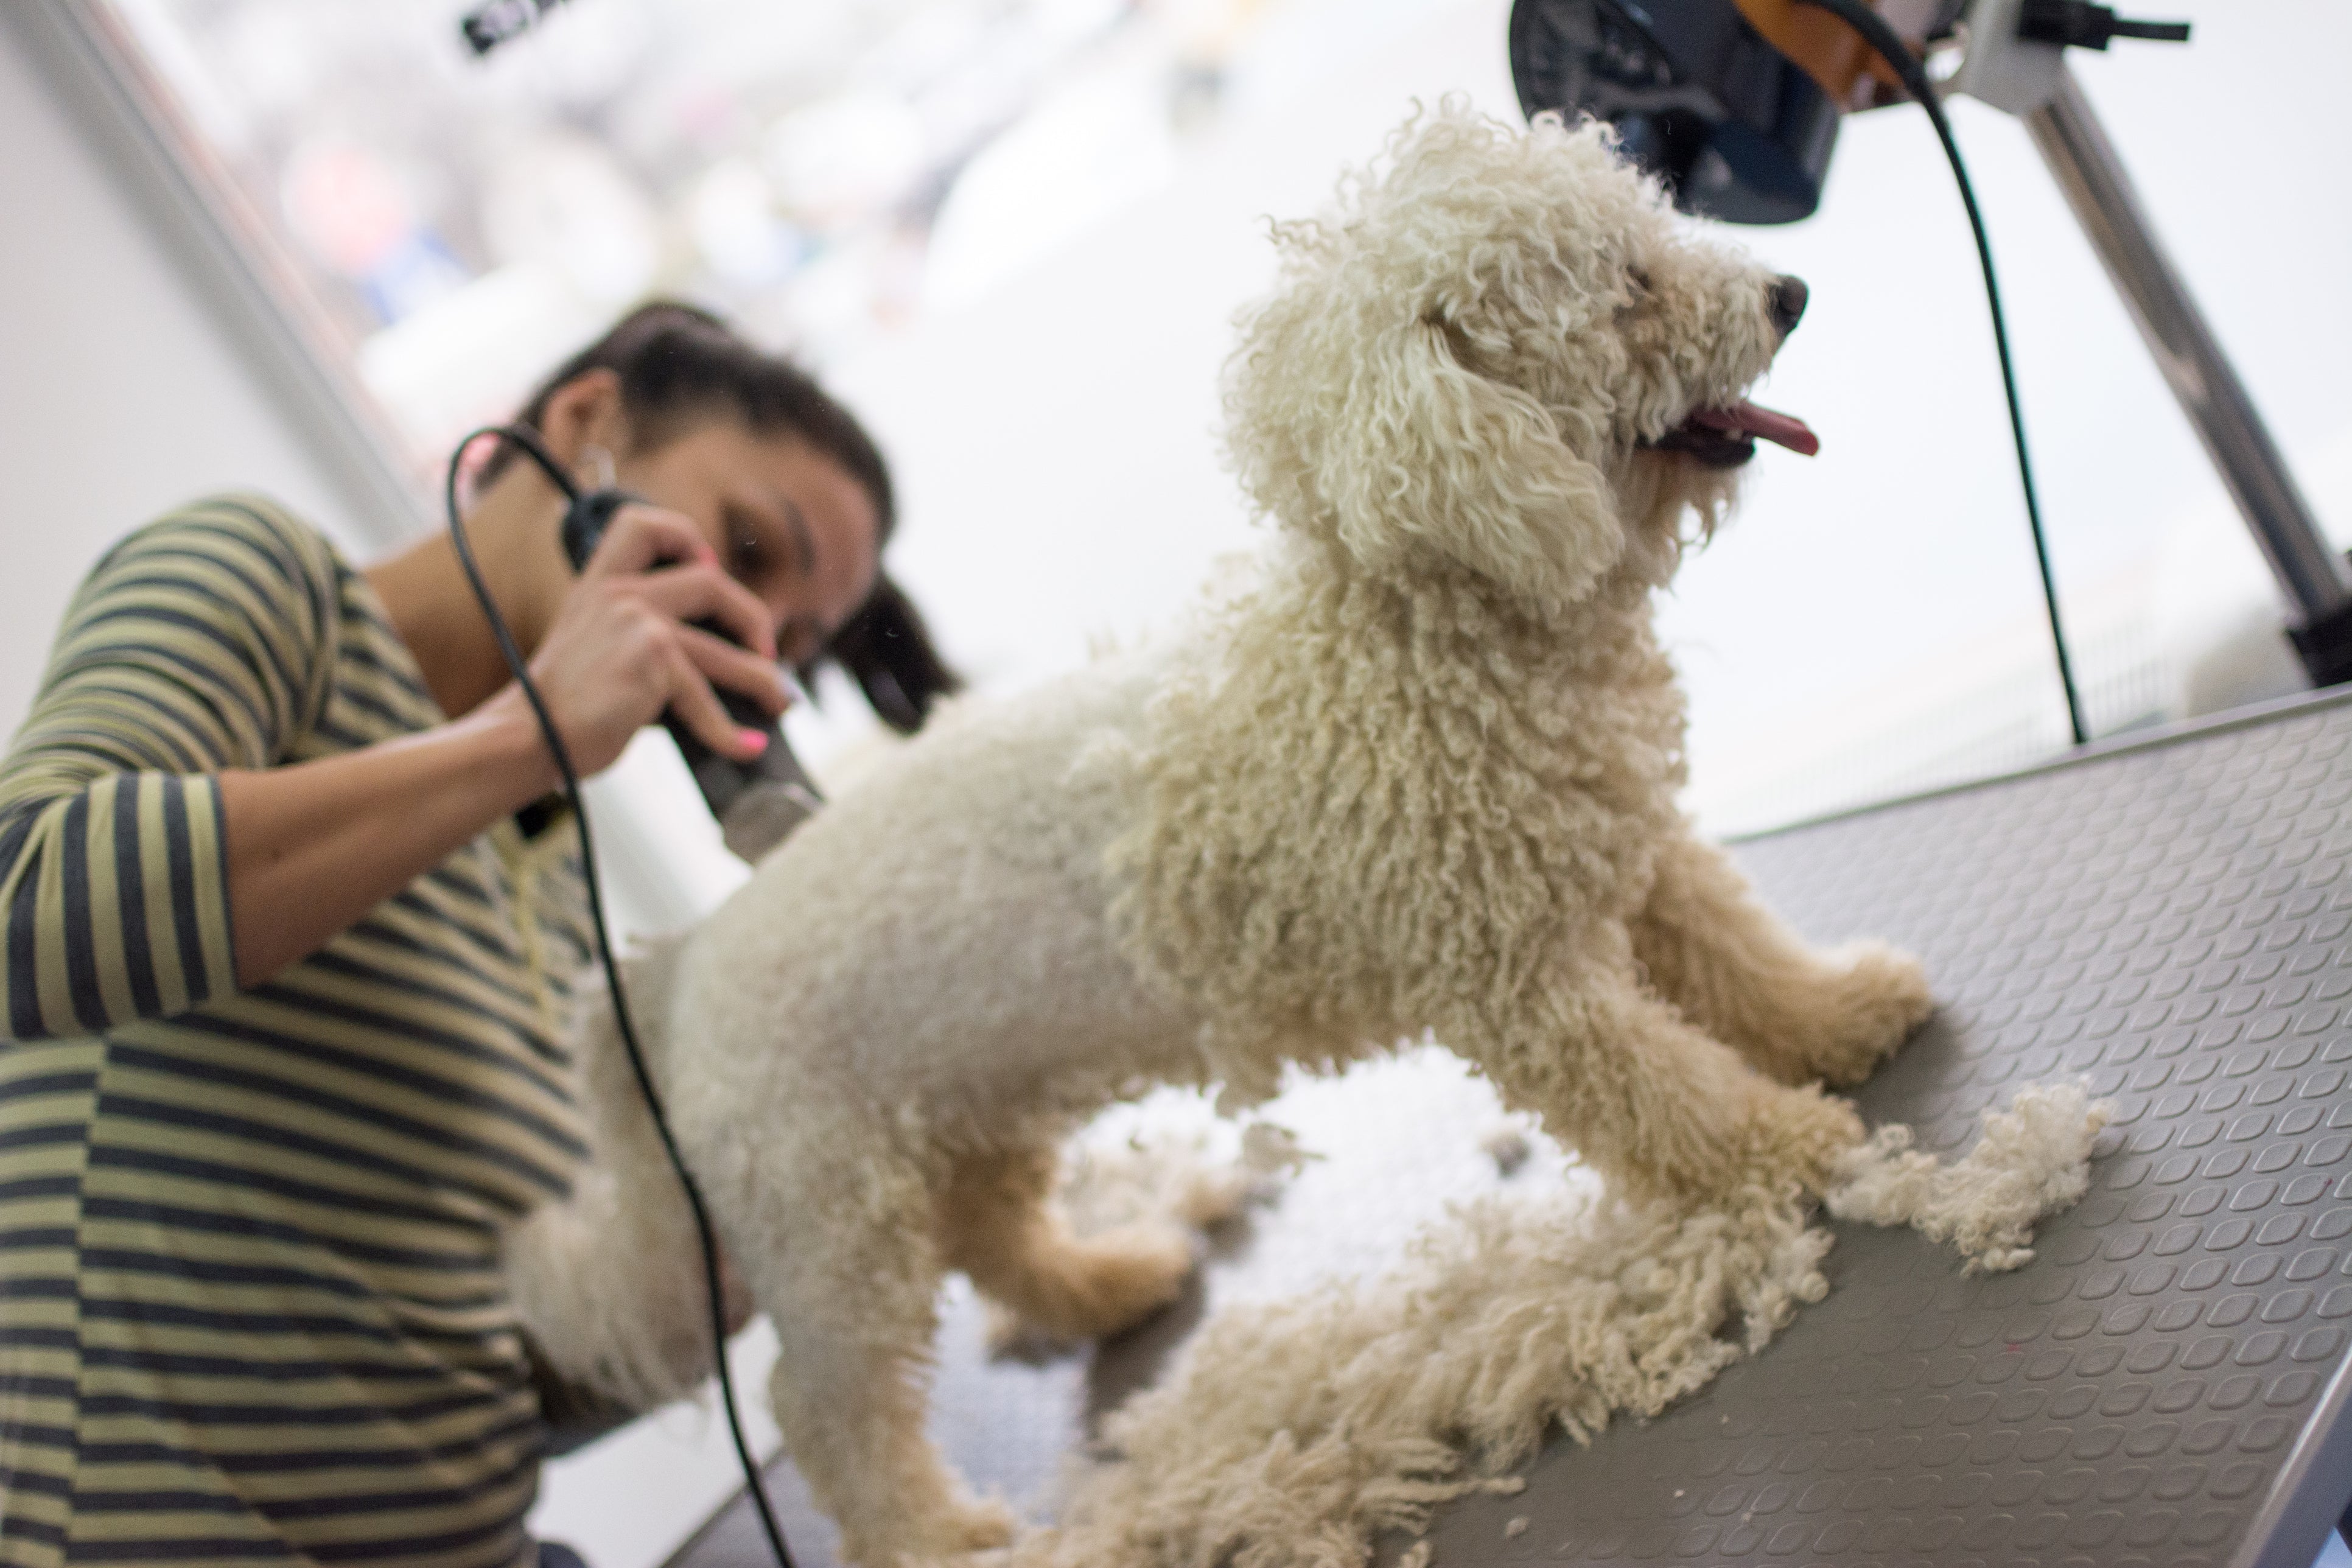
[[620, 650], [314, 845]]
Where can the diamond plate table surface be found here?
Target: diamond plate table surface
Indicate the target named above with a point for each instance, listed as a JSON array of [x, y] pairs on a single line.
[[2164, 1384]]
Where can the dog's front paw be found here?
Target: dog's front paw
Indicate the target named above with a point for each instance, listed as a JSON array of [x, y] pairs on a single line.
[[1881, 997], [979, 1525]]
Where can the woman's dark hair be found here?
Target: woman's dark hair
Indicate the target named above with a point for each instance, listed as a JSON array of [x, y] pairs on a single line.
[[679, 366]]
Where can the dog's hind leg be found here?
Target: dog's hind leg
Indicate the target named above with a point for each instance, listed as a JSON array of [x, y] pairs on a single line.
[[1712, 948], [850, 1285], [996, 1226]]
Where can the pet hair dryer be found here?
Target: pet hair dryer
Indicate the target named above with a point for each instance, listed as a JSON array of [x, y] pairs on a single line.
[[1735, 104]]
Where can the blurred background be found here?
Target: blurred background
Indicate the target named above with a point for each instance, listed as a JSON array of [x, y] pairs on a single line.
[[301, 245]]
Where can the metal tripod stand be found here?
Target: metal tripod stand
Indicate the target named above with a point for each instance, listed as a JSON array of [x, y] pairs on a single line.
[[2032, 80]]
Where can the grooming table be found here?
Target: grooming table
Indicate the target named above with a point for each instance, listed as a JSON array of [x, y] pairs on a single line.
[[2165, 1383]]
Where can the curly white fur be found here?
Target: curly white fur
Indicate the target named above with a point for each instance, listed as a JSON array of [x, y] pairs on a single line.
[[613, 1279], [1418, 774]]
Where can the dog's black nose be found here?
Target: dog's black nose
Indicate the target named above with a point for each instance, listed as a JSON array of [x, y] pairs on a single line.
[[1787, 302]]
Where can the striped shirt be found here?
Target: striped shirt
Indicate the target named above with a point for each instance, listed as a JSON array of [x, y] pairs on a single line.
[[250, 1303]]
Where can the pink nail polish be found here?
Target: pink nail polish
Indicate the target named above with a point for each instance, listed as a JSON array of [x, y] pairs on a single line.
[[756, 739]]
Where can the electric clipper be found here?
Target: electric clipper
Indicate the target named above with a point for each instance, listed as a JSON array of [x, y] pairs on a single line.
[[759, 803]]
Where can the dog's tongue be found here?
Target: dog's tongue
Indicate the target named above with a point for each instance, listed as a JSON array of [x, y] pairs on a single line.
[[1745, 418]]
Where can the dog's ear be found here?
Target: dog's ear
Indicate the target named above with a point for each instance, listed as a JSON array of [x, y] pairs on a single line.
[[1430, 451]]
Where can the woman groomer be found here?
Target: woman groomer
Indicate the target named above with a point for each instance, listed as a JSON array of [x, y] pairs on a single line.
[[283, 976]]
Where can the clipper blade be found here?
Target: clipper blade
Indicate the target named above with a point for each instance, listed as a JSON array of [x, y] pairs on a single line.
[[764, 816]]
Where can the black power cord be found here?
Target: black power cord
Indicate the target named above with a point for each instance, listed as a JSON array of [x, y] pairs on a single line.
[[530, 444], [1888, 45]]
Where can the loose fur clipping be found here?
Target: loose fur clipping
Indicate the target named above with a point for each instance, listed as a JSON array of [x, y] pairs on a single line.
[[2033, 1159], [1295, 1431]]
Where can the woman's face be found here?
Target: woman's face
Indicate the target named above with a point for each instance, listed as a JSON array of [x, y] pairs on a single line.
[[788, 521]]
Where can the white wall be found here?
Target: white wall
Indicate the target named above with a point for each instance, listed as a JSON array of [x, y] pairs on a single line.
[[120, 392], [1055, 437]]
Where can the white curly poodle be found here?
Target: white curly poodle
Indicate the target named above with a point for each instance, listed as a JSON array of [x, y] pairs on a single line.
[[1419, 775]]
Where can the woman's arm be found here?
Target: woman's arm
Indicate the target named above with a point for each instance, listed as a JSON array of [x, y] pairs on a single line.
[[152, 857], [314, 846]]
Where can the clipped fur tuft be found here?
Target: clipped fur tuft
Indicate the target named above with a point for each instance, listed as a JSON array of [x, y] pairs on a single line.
[[1294, 1432]]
